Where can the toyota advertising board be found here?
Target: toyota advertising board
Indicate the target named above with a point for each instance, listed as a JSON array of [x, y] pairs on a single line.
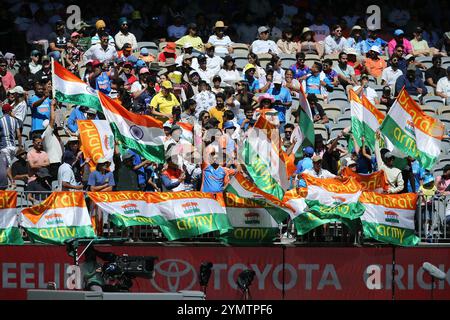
[[289, 273]]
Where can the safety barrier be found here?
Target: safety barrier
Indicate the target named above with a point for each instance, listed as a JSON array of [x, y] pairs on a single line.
[[431, 218]]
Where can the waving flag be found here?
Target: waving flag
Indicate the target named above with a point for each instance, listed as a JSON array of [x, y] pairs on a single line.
[[251, 221], [412, 131], [304, 220], [70, 89], [268, 165], [375, 181], [390, 218], [189, 214], [243, 188], [332, 197], [304, 132], [141, 133], [366, 119], [97, 141], [128, 208], [62, 216], [9, 225]]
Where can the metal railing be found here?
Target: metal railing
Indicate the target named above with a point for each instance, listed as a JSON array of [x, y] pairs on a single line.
[[431, 219]]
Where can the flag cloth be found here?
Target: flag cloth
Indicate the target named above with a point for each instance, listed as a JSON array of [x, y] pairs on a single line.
[[251, 221], [187, 131], [141, 133], [189, 214], [375, 181], [264, 160], [9, 224], [332, 197], [243, 188], [62, 216], [304, 220], [304, 132], [68, 88], [390, 218], [412, 131], [366, 119], [127, 209], [97, 141]]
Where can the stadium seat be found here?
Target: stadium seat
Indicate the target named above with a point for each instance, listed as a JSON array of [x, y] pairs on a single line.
[[444, 110], [320, 128], [430, 90], [332, 111], [344, 121], [433, 101], [334, 57], [240, 62], [287, 62], [240, 49], [428, 110], [151, 46], [264, 59], [381, 107]]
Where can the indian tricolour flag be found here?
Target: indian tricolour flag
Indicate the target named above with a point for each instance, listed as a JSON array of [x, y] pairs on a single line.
[[251, 221], [303, 220], [304, 131], [68, 88], [332, 197], [268, 165], [128, 208], [97, 141], [366, 119], [141, 133], [242, 187], [9, 224], [189, 214], [389, 218], [412, 131], [62, 216], [375, 181]]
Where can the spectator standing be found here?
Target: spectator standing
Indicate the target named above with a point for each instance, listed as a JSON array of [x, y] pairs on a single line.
[[18, 104], [283, 100], [125, 175], [66, 175], [125, 36], [40, 106], [19, 169], [100, 26], [205, 99], [6, 76], [51, 142], [364, 89], [101, 180], [317, 171], [9, 134], [58, 40], [393, 175], [103, 51], [39, 189], [215, 175], [37, 157]]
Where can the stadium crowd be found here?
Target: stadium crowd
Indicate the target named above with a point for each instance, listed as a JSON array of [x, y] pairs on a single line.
[[216, 65]]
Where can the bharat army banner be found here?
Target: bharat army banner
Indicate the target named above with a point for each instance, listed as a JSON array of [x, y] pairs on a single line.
[[9, 224], [375, 181]]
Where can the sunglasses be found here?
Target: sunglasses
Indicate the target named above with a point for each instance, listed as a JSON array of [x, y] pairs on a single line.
[[287, 131]]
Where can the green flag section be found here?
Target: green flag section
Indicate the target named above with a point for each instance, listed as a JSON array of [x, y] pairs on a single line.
[[303, 134], [332, 197], [264, 160], [141, 133], [62, 216], [412, 131], [390, 218], [128, 208], [70, 89], [243, 188], [251, 221], [366, 119], [9, 225], [190, 214]]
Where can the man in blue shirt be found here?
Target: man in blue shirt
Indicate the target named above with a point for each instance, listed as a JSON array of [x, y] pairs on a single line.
[[214, 176], [372, 40], [317, 82], [80, 113], [249, 76], [40, 105], [300, 69], [417, 175], [413, 84], [101, 179], [304, 164], [283, 100]]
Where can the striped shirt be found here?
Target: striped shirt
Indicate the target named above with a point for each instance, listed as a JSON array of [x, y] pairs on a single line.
[[8, 129]]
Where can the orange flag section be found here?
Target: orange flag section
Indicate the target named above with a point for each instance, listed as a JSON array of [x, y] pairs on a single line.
[[8, 199], [344, 185], [64, 74], [369, 182], [406, 201], [295, 194], [54, 201], [377, 113]]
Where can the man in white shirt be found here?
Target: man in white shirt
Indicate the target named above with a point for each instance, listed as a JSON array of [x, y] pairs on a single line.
[[443, 87], [364, 89], [214, 63], [19, 103], [264, 45], [317, 171], [205, 98], [123, 36], [34, 64], [335, 42], [393, 175], [390, 74], [66, 176], [51, 144], [103, 51], [203, 71]]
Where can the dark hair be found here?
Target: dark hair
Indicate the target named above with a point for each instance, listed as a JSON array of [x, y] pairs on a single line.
[[214, 122], [335, 26], [227, 59], [284, 32], [188, 103], [221, 95], [341, 54], [254, 56], [103, 34], [300, 55], [126, 45], [319, 66], [200, 116], [436, 58], [399, 45], [228, 91], [289, 125], [3, 60], [446, 168], [328, 62], [217, 78], [36, 136], [228, 115]]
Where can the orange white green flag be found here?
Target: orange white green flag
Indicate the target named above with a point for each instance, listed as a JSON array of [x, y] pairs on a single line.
[[62, 216], [375, 181], [412, 131], [68, 88], [366, 119], [189, 214], [142, 133], [389, 218], [9, 224], [97, 141], [127, 208]]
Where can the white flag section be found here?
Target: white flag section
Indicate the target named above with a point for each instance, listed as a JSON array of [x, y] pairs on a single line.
[[9, 224]]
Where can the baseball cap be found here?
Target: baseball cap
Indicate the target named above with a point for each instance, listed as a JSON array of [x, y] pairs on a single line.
[[95, 63], [409, 56], [249, 66], [167, 84], [143, 70], [7, 107], [277, 79], [388, 155], [17, 89], [398, 32], [228, 125], [263, 29], [316, 159], [418, 30], [193, 72], [187, 56], [375, 49], [91, 111], [356, 27], [144, 52], [74, 34], [308, 151], [187, 45], [45, 58], [140, 64], [127, 156], [350, 163], [35, 53]]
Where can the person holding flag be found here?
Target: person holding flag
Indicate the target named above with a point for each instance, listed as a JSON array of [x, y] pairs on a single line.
[[393, 175]]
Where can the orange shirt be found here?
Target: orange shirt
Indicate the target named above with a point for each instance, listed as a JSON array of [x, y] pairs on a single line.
[[375, 67]]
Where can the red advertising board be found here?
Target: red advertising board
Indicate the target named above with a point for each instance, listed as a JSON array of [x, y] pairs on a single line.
[[306, 273], [333, 273]]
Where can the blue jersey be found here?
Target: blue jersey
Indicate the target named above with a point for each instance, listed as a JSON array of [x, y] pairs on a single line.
[[299, 72], [284, 96], [213, 179], [103, 83], [39, 114]]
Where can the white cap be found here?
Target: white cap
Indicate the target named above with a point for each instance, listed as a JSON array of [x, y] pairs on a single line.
[[17, 89], [375, 48], [187, 45], [263, 29], [350, 162], [277, 79]]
